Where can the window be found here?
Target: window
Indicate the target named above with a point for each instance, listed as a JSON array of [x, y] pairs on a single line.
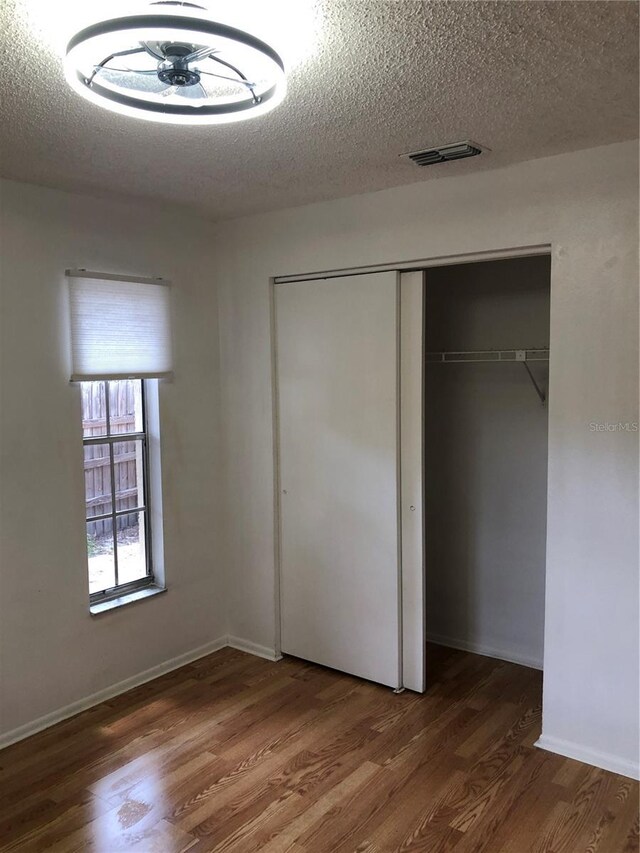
[[116, 476], [120, 345]]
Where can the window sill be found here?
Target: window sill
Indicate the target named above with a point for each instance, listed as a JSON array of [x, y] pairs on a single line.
[[130, 598]]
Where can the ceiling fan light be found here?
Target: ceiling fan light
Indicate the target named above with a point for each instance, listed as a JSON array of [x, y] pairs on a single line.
[[174, 86]]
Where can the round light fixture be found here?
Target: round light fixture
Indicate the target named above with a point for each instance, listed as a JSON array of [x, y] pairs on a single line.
[[171, 64]]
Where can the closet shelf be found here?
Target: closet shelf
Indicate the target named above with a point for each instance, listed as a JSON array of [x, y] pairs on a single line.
[[490, 355], [504, 355]]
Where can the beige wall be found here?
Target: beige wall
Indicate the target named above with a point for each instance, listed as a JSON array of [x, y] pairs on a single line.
[[53, 653], [585, 205]]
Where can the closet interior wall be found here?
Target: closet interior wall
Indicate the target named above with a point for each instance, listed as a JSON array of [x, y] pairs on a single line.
[[486, 460]]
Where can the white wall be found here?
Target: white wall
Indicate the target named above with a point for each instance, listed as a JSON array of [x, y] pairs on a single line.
[[486, 460], [586, 205], [53, 653]]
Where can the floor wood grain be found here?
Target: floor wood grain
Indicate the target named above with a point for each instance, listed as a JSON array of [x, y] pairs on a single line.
[[234, 753]]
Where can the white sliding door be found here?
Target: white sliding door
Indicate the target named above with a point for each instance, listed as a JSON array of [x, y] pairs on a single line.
[[337, 345], [411, 470], [349, 356]]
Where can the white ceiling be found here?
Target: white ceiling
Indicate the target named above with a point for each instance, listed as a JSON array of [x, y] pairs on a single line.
[[376, 78]]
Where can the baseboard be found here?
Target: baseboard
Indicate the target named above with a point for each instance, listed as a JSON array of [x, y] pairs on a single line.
[[487, 651], [61, 714], [74, 708], [253, 648], [604, 760]]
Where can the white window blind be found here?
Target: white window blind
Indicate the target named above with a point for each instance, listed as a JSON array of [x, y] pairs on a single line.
[[120, 328]]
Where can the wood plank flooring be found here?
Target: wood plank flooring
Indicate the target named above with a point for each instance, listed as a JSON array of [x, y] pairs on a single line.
[[234, 753]]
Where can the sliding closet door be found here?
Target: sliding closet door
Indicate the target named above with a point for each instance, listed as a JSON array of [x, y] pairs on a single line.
[[411, 475], [337, 371]]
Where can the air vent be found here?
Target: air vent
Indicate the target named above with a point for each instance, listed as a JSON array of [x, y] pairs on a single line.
[[444, 153]]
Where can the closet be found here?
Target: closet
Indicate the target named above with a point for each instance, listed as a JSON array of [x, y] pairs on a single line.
[[411, 455], [485, 419]]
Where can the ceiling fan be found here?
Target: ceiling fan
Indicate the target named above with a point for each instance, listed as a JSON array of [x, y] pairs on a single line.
[[171, 63]]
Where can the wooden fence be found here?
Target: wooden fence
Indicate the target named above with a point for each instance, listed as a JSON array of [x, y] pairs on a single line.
[[125, 405]]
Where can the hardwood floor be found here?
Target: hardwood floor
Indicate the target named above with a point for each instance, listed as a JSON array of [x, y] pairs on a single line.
[[234, 753]]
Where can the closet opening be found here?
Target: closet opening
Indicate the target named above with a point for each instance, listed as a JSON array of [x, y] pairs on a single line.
[[486, 378]]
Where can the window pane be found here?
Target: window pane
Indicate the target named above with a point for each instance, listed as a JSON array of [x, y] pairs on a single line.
[[97, 479], [94, 411], [129, 474], [125, 404], [132, 556], [102, 574]]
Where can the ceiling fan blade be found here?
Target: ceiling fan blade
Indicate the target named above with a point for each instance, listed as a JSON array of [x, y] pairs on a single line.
[[124, 70], [147, 47], [111, 56], [231, 79], [250, 86], [202, 53]]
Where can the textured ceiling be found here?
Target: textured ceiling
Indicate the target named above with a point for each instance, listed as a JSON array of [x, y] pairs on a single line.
[[525, 79]]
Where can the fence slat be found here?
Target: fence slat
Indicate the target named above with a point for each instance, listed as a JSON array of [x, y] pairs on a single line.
[[96, 465]]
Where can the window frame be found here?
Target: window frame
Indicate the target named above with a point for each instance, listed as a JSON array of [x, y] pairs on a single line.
[[149, 580]]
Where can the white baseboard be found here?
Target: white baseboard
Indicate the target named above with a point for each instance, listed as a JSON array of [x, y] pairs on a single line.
[[67, 711], [605, 760], [253, 648], [487, 651]]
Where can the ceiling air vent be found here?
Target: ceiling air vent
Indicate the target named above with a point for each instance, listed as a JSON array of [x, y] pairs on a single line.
[[444, 153]]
